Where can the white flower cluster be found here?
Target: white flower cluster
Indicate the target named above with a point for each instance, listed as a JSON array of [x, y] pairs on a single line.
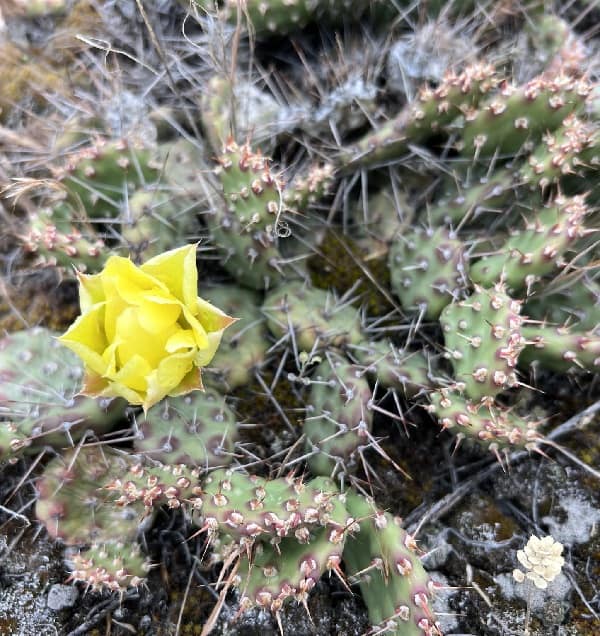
[[542, 561]]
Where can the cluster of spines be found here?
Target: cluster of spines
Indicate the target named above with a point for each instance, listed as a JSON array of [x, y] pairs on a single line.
[[394, 368], [114, 566]]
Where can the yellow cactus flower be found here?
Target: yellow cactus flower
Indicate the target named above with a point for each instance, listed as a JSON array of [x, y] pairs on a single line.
[[144, 333]]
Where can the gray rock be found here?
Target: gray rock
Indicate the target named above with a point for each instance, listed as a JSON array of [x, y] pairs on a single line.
[[62, 596], [541, 600]]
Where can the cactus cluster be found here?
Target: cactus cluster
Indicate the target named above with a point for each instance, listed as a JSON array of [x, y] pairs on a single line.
[[401, 268]]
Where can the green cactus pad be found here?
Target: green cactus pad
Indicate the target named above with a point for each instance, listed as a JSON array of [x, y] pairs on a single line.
[[39, 384], [518, 115], [248, 506], [490, 425], [310, 317], [575, 302], [560, 348], [72, 505], [197, 430], [249, 222], [566, 151], [428, 270], [483, 341], [432, 110], [382, 558], [338, 418], [244, 344], [536, 250], [101, 176]]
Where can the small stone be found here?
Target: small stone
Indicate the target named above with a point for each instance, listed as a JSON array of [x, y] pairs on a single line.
[[62, 596]]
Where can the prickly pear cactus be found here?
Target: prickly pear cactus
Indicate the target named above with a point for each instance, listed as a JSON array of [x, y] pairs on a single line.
[[538, 249], [100, 177]]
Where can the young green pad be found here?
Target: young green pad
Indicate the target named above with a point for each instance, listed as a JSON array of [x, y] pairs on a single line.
[[537, 249], [248, 222], [248, 506], [431, 111], [100, 177], [71, 504], [561, 348], [516, 116]]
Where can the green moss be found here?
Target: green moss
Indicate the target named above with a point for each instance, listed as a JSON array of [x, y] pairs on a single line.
[[338, 263]]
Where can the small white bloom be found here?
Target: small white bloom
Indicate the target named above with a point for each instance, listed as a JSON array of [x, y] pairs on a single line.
[[542, 558], [518, 575]]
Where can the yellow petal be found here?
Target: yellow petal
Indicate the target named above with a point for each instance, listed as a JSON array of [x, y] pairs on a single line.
[[128, 279], [116, 389], [115, 306], [170, 373], [135, 340], [87, 339], [110, 359], [97, 386], [174, 368], [133, 374], [199, 331], [211, 317], [182, 339], [177, 270], [156, 317], [191, 382], [204, 356], [90, 291]]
